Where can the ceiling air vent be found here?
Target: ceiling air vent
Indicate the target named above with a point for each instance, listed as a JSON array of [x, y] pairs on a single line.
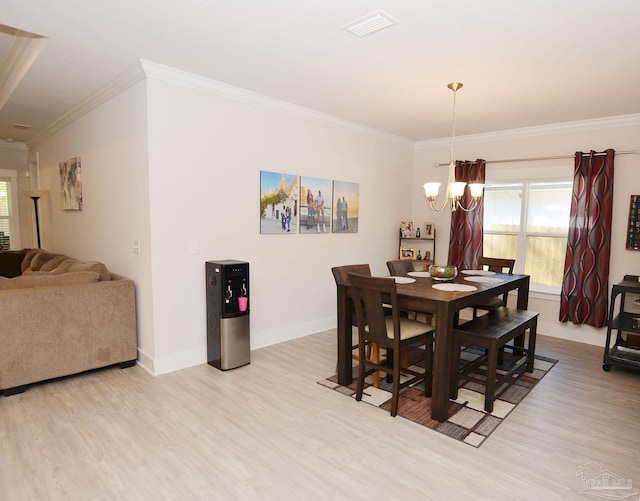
[[375, 21]]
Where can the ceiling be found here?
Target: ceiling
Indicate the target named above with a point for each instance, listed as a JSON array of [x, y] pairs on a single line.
[[523, 63]]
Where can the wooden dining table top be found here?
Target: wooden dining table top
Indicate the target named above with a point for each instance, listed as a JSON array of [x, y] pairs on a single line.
[[428, 296]]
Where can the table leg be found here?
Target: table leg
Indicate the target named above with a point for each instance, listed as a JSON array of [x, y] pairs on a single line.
[[444, 342], [523, 295]]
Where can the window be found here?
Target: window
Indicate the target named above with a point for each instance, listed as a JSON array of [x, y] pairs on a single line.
[[529, 221], [8, 236]]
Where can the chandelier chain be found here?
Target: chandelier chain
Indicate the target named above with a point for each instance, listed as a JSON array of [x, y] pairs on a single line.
[[452, 165]]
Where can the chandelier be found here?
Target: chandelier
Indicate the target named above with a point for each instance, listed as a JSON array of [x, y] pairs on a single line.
[[455, 190]]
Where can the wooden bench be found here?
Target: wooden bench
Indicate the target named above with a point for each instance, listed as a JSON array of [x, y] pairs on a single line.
[[492, 332]]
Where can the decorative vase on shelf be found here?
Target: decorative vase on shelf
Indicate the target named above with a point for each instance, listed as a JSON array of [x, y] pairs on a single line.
[[418, 234], [419, 255]]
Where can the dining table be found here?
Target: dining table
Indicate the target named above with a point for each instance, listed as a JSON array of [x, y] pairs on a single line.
[[419, 294]]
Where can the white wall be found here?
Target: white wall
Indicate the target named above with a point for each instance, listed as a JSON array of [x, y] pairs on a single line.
[[207, 145], [622, 134]]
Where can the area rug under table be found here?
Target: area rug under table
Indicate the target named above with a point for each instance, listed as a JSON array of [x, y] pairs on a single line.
[[468, 422]]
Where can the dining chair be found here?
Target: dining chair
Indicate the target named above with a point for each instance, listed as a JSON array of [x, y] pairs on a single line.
[[341, 276], [497, 265], [370, 294]]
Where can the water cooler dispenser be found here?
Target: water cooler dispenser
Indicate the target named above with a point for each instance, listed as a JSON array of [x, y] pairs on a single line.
[[227, 286]]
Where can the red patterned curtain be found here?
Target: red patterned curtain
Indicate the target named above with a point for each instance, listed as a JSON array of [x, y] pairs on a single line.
[[465, 241], [585, 285]]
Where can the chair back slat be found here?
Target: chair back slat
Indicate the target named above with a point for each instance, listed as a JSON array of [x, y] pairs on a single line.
[[369, 296], [399, 267], [340, 273], [497, 265], [341, 276]]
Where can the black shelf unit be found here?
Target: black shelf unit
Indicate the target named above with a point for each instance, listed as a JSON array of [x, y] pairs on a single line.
[[622, 322], [420, 243]]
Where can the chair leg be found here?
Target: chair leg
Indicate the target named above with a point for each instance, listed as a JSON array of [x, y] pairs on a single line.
[[455, 366], [428, 367], [375, 358], [395, 395], [361, 370]]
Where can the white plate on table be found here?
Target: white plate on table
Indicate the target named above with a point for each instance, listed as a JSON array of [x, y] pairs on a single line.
[[403, 280], [423, 274], [478, 272], [486, 280], [455, 287]]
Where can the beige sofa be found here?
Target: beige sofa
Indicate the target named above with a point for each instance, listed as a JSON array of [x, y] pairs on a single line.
[[60, 317]]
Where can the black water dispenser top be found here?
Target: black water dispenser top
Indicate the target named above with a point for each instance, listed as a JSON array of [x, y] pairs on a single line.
[[228, 282], [236, 287]]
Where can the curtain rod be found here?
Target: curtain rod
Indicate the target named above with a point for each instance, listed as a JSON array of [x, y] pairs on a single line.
[[559, 157]]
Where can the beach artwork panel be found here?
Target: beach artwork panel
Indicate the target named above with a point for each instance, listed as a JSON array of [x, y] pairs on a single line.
[[279, 208], [315, 205], [346, 201]]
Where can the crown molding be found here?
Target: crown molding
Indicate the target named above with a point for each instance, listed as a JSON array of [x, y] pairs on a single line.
[[541, 130], [122, 82], [202, 84], [147, 69]]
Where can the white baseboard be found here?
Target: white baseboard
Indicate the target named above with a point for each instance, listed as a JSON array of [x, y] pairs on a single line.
[[198, 356]]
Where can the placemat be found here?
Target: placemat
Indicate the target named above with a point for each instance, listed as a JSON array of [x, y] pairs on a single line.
[[455, 287]]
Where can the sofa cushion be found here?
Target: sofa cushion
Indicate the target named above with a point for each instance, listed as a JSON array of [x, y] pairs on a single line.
[[70, 264], [11, 263], [41, 258], [26, 263], [48, 280], [52, 263]]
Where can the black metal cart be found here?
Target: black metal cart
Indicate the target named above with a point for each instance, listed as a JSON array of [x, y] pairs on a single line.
[[625, 322]]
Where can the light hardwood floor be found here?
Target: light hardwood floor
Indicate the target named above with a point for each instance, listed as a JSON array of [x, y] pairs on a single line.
[[269, 431]]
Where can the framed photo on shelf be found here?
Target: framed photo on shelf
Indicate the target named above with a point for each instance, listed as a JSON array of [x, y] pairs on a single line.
[[407, 253], [429, 231], [407, 230]]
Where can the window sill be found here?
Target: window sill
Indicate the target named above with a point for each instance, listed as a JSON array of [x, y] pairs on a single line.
[[542, 294]]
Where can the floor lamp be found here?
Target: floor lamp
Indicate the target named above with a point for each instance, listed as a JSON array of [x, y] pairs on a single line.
[[35, 195]]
